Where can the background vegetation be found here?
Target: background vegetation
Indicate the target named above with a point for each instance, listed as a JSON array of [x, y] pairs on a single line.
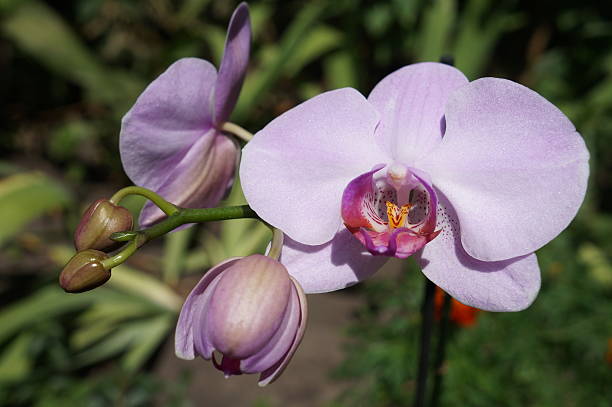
[[70, 70]]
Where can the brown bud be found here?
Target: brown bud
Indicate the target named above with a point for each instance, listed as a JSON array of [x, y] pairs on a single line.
[[84, 272], [100, 220]]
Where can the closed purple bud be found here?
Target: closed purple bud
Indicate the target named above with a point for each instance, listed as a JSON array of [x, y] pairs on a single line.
[[100, 220], [84, 272], [250, 311]]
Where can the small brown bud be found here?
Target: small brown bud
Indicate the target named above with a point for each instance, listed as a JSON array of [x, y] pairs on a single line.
[[84, 272], [100, 220]]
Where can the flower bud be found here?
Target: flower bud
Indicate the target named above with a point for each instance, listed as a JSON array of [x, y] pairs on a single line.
[[84, 272], [250, 311], [100, 220]]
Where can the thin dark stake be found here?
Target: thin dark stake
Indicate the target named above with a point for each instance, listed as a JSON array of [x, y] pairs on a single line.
[[441, 352], [427, 311]]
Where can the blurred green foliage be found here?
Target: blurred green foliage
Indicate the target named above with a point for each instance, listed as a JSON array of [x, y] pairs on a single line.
[[70, 70]]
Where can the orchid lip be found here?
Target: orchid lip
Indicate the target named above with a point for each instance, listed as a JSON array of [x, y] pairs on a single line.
[[391, 214]]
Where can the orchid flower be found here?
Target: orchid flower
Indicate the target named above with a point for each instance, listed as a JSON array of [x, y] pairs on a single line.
[[171, 140], [470, 177], [250, 311]]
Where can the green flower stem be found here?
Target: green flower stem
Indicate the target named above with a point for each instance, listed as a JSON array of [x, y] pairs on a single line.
[[277, 243], [237, 131], [165, 206], [181, 217], [188, 215], [123, 255]]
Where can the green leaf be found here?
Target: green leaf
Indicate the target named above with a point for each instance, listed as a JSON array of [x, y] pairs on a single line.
[[175, 250], [598, 265], [105, 315], [436, 29], [190, 9], [138, 338], [260, 15], [41, 32], [115, 343], [197, 261], [478, 34], [15, 361], [45, 304], [26, 196], [340, 70], [214, 248], [259, 81], [145, 286], [151, 335], [319, 40], [240, 237]]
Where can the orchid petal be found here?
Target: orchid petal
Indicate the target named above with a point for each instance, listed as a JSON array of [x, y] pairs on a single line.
[[271, 374], [184, 338], [234, 64], [411, 104], [362, 202], [512, 165], [508, 285], [335, 265], [293, 172], [243, 317], [278, 345], [201, 179], [168, 117]]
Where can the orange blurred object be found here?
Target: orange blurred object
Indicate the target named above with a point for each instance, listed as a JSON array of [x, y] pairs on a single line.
[[460, 314], [609, 354]]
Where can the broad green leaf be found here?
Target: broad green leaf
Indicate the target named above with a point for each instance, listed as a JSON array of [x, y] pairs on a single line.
[[190, 10], [26, 196], [597, 262], [232, 231], [40, 31], [138, 338], [86, 336], [480, 28], [105, 316], [197, 261], [435, 31], [240, 237], [215, 37], [308, 90], [319, 40], [175, 250], [115, 343], [260, 15], [214, 248], [340, 71], [15, 361], [116, 308], [259, 82], [151, 335], [44, 304], [138, 283]]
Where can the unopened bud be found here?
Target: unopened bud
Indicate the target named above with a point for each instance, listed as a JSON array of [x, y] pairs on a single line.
[[100, 220], [84, 272], [250, 311]]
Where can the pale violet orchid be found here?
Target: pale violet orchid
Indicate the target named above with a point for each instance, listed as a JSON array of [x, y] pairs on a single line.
[[250, 311], [171, 140], [471, 177]]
